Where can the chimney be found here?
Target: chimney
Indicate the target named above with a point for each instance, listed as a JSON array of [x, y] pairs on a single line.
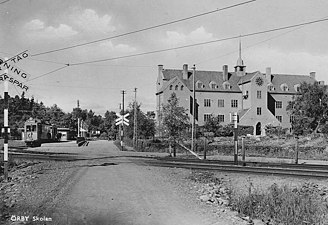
[[160, 69], [312, 74], [185, 72], [268, 74], [225, 73]]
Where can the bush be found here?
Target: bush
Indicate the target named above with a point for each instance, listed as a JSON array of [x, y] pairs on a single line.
[[284, 205], [244, 130], [275, 130]]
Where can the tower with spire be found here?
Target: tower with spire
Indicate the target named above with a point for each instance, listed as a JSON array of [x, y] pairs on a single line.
[[240, 68]]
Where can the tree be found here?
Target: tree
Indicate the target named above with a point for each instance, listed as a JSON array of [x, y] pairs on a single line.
[[175, 118], [145, 123], [309, 108], [212, 125]]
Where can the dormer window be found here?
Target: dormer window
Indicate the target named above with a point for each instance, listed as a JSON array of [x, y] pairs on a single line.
[[213, 85], [199, 84], [271, 87], [297, 87], [284, 87], [226, 85]]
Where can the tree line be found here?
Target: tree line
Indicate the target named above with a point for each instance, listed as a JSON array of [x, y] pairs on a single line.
[[22, 108]]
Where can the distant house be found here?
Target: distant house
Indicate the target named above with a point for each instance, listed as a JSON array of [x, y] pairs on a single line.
[[258, 98]]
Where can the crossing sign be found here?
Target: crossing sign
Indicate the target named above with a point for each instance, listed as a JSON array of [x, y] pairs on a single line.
[[122, 119]]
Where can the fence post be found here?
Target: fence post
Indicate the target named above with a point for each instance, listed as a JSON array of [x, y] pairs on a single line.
[[296, 150], [243, 151], [204, 147]]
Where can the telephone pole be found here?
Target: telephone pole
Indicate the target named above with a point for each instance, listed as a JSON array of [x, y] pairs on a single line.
[[122, 134], [193, 109], [135, 129], [78, 120]]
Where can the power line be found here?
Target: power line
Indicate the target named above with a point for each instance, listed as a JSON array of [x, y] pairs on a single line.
[[201, 43], [4, 2], [63, 67], [144, 29]]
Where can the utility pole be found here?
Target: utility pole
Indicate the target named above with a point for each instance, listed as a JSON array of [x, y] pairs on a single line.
[[193, 109], [122, 134], [6, 127], [78, 120], [135, 129]]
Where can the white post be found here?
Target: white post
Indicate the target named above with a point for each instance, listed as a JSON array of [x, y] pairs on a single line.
[[6, 126]]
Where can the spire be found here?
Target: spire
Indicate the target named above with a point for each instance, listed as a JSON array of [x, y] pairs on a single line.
[[240, 62], [240, 67]]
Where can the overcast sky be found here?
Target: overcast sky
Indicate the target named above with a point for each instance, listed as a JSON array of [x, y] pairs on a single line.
[[42, 25]]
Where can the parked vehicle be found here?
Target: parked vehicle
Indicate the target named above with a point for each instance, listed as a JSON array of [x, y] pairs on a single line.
[[37, 132]]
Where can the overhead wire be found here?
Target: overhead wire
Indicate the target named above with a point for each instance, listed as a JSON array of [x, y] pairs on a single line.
[[201, 43], [144, 29]]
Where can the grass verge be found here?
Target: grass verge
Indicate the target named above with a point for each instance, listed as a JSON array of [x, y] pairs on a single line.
[[306, 204]]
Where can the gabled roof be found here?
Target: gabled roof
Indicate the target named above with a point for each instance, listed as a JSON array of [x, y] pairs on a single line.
[[290, 80], [247, 78], [206, 77]]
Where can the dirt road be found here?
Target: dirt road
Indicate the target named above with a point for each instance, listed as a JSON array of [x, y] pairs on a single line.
[[120, 191]]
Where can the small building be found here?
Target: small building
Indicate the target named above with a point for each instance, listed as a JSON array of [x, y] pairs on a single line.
[[64, 134]]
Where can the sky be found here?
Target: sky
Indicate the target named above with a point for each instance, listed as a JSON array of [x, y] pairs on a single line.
[[39, 26]]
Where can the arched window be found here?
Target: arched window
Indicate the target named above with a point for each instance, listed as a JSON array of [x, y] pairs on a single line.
[[199, 84], [284, 87], [297, 87], [226, 85], [171, 86], [181, 88], [271, 87], [213, 85], [176, 87]]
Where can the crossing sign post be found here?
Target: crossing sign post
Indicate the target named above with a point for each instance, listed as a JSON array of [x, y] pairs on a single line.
[[122, 119]]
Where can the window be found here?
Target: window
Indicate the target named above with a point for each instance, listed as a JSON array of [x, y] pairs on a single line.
[[226, 85], [259, 94], [221, 103], [207, 102], [278, 104], [271, 87], [207, 117], [234, 103], [171, 87], [176, 87], [181, 87], [259, 111], [199, 84], [28, 128], [284, 87], [213, 85], [221, 118], [279, 118], [297, 87], [33, 127], [291, 119]]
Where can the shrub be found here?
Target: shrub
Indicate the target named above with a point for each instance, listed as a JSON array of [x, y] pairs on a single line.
[[244, 130], [275, 130], [284, 205]]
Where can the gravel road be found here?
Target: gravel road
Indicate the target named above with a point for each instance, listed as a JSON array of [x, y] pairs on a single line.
[[108, 188]]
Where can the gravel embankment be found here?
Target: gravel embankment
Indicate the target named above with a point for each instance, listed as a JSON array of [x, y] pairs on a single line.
[[34, 188]]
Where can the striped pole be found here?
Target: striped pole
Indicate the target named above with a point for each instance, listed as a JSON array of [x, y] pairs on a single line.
[[235, 118], [6, 127]]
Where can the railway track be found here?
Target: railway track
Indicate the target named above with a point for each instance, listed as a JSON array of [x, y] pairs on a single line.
[[299, 170], [264, 168]]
